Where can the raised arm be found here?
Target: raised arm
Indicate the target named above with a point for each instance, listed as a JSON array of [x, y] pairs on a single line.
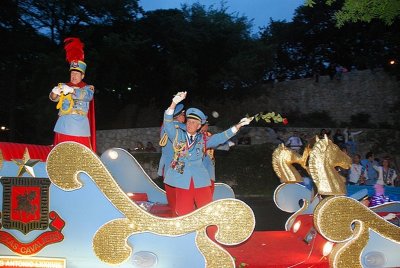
[[220, 138], [169, 126]]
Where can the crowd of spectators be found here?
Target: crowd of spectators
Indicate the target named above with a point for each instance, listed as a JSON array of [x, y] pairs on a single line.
[[141, 148], [366, 169]]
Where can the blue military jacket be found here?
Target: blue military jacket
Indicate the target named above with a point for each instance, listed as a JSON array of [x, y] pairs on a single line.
[[191, 155], [209, 165], [75, 121], [167, 152]]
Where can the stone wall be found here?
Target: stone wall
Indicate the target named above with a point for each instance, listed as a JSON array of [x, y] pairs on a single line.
[[379, 140], [128, 138], [373, 93], [382, 142]]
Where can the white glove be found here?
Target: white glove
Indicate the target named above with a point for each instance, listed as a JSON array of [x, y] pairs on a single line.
[[245, 121], [67, 89], [180, 96], [57, 90]]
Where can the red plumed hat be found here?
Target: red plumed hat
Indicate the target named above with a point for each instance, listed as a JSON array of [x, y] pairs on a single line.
[[75, 54]]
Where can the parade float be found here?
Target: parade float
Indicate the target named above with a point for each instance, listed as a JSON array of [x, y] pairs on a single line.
[[67, 207]]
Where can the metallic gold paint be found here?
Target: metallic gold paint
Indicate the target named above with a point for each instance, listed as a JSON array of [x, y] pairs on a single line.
[[234, 219], [283, 159], [333, 218], [324, 157]]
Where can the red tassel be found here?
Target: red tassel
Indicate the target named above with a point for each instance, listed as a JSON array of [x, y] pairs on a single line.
[[74, 49]]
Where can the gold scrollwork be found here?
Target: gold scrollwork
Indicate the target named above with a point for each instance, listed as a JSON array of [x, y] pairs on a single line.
[[234, 219], [347, 222]]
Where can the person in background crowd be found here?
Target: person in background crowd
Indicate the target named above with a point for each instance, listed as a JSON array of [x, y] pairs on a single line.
[[379, 197], [386, 174], [339, 71], [187, 173], [139, 146], [150, 147], [368, 163], [350, 140], [357, 174], [338, 138], [294, 142], [318, 68], [332, 70], [329, 133], [322, 133]]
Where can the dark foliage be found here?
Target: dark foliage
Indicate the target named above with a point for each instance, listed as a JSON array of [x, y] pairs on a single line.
[[137, 60]]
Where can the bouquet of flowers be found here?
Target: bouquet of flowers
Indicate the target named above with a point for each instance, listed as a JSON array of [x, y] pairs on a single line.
[[270, 117]]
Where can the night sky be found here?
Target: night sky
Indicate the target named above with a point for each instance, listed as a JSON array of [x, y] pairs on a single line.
[[259, 10]]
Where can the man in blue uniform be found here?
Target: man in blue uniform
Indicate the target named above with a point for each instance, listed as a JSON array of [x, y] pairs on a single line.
[[187, 172], [73, 100], [167, 152], [208, 159], [368, 163]]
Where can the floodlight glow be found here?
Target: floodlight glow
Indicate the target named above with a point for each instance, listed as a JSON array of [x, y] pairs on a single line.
[[374, 259], [113, 154], [327, 249], [296, 226], [144, 259]]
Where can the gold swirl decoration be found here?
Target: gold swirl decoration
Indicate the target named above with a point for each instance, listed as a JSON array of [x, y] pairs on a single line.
[[283, 159], [324, 157], [234, 219], [334, 218]]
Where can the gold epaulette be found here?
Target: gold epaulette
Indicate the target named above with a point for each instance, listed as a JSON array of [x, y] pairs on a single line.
[[163, 140]]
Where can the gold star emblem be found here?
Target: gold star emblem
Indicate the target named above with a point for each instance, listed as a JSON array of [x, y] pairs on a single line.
[[26, 164]]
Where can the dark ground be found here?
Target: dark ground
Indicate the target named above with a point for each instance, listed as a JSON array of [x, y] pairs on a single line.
[[268, 216]]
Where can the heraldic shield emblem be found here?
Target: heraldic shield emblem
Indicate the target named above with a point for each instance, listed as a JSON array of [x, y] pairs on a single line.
[[26, 203]]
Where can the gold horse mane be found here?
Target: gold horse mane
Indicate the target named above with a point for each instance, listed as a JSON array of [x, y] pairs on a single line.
[[283, 159], [319, 161], [324, 157]]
